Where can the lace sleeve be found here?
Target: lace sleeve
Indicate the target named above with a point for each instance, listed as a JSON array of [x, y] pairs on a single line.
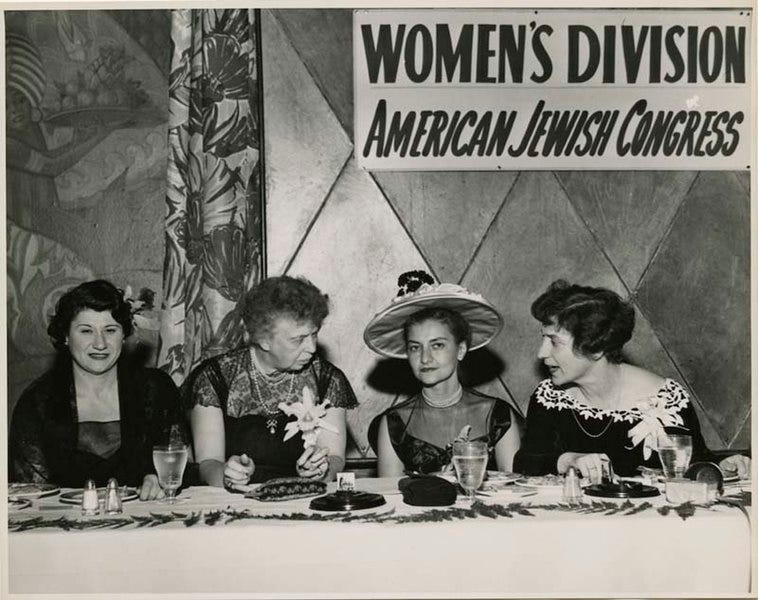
[[339, 393], [27, 460], [200, 390]]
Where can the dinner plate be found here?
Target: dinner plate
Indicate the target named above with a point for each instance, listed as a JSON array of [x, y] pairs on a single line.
[[75, 496], [31, 490], [549, 481], [658, 474], [498, 480], [491, 476], [16, 504]]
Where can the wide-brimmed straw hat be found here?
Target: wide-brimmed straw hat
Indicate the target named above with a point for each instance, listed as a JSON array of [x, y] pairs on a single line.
[[384, 334]]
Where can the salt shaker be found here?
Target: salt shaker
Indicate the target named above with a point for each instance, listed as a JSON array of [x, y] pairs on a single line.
[[572, 491], [90, 504], [112, 498]]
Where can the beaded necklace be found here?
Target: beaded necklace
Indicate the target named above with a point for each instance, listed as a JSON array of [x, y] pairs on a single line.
[[445, 402], [272, 414]]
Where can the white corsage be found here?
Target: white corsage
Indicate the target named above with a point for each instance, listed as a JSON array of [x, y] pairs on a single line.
[[309, 421], [654, 417]]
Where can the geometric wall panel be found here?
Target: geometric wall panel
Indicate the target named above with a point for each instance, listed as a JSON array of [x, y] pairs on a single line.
[[358, 268], [536, 238], [744, 178], [628, 211], [696, 296], [306, 152], [742, 439], [447, 213], [323, 38]]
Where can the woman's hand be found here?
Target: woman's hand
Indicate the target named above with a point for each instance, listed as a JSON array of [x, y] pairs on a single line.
[[589, 465], [738, 463], [313, 463], [150, 489], [238, 470]]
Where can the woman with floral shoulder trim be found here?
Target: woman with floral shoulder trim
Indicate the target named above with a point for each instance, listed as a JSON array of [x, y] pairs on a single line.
[[594, 408]]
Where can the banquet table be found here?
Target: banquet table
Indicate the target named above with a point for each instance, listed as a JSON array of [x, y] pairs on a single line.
[[516, 540]]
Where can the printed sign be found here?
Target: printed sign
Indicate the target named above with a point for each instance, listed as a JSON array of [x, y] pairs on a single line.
[[552, 89]]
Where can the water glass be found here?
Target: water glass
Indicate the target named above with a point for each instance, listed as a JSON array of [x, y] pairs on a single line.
[[470, 462], [675, 452], [169, 461], [170, 455]]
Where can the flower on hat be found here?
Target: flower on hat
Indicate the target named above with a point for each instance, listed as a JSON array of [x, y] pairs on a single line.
[[310, 419]]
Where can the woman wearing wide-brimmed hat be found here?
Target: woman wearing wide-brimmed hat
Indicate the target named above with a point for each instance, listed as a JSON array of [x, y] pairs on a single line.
[[434, 326]]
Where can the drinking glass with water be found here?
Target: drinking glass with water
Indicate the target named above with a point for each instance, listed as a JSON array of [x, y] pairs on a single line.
[[470, 462], [170, 459], [675, 452]]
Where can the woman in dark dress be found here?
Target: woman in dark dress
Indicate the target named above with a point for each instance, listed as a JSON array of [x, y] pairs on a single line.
[[93, 415], [433, 327], [594, 408], [238, 427]]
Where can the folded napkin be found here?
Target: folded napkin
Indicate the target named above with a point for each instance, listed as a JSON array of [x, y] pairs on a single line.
[[427, 491]]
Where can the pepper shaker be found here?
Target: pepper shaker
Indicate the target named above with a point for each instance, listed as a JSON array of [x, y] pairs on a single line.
[[112, 498], [90, 504], [572, 491]]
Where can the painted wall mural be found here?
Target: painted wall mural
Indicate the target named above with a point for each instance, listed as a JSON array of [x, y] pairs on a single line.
[[86, 164]]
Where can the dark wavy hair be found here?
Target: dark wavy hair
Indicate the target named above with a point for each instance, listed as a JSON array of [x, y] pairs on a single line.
[[98, 295], [293, 297], [597, 318], [457, 325]]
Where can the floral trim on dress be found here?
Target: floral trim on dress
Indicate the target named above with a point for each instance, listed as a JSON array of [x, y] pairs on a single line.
[[671, 398]]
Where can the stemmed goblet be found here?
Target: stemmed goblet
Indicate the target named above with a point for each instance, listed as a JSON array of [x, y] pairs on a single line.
[[170, 458]]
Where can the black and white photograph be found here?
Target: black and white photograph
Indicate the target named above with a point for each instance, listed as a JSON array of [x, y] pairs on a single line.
[[357, 301]]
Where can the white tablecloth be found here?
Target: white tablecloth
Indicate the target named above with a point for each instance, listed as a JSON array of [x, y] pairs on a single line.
[[552, 552]]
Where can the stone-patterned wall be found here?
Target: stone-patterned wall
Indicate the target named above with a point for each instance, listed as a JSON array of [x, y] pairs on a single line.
[[676, 242]]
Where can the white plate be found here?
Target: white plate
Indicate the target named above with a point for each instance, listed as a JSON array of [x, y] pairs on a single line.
[[16, 504], [499, 480], [541, 481], [32, 490]]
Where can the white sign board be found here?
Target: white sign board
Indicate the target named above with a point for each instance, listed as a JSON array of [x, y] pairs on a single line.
[[453, 89]]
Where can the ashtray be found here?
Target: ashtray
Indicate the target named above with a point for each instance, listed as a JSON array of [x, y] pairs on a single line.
[[347, 500], [622, 489]]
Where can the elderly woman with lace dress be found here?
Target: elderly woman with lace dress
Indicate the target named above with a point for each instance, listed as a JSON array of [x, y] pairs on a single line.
[[240, 400], [594, 408]]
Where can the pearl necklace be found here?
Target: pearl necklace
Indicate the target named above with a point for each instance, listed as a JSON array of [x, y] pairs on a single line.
[[452, 399], [273, 415]]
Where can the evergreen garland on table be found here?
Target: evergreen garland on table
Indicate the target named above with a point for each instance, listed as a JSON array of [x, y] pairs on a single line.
[[437, 515]]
